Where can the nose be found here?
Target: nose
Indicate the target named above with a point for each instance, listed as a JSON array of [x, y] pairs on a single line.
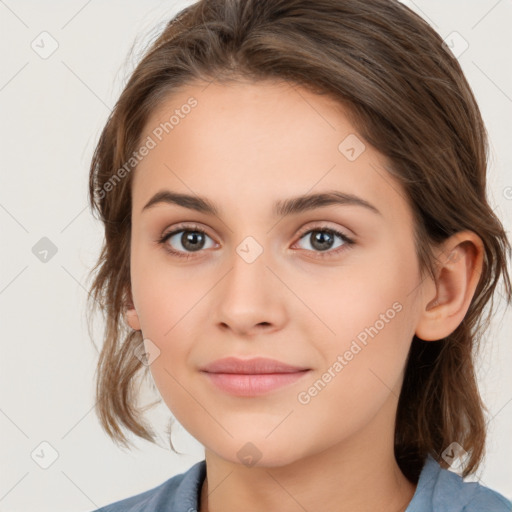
[[250, 298]]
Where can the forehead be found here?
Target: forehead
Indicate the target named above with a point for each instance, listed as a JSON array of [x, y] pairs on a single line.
[[255, 143]]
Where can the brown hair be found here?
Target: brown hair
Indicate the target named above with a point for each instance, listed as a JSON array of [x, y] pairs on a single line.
[[406, 95]]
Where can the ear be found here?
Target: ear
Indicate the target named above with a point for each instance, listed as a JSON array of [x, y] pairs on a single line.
[[460, 261], [132, 318]]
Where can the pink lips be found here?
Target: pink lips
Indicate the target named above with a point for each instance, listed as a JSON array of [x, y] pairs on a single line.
[[251, 377]]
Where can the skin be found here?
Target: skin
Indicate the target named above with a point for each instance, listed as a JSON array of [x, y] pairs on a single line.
[[244, 147]]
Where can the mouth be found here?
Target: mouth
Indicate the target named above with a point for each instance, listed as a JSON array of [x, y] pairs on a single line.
[[251, 377]]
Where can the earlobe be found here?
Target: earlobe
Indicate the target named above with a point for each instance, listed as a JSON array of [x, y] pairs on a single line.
[[132, 318], [458, 272]]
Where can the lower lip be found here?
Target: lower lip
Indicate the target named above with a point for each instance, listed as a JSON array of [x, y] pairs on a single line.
[[253, 384]]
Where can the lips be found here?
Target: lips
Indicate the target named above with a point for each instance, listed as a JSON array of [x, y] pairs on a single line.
[[254, 366], [252, 377]]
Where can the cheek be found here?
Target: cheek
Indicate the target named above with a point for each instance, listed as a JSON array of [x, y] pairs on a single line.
[[366, 327], [370, 297], [163, 291], [363, 367], [169, 305]]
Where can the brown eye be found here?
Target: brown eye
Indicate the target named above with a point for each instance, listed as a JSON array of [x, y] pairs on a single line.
[[321, 242], [323, 239], [182, 242]]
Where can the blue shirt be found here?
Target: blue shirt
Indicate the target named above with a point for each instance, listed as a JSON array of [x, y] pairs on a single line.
[[438, 490]]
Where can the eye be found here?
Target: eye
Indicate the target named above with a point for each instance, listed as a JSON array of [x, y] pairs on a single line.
[[321, 240], [191, 239]]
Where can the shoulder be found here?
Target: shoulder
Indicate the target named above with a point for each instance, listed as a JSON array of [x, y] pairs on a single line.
[[441, 490], [180, 493]]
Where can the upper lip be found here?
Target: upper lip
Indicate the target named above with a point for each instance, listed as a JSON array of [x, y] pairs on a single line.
[[256, 365]]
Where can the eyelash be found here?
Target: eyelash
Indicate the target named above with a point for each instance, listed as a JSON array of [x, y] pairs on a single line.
[[348, 242]]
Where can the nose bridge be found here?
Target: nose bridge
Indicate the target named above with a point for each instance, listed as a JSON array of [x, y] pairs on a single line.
[[250, 250], [248, 266], [247, 294]]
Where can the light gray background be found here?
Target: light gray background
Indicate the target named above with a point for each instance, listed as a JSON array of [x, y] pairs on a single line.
[[52, 111]]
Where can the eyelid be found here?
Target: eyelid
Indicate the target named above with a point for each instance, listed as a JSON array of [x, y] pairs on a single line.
[[186, 227], [321, 225]]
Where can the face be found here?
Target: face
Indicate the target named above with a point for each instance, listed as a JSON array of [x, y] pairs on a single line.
[[331, 287]]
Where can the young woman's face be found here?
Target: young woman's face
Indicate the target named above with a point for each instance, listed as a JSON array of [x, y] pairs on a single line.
[[267, 278]]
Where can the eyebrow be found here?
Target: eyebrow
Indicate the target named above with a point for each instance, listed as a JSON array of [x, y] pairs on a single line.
[[293, 205]]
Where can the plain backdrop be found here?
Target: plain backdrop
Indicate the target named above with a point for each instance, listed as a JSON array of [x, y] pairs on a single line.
[[52, 110]]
